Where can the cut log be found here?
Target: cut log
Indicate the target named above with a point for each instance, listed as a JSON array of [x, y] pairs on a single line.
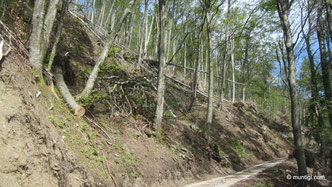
[[79, 110]]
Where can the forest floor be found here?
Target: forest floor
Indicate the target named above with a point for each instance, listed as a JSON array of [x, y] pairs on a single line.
[[43, 144]]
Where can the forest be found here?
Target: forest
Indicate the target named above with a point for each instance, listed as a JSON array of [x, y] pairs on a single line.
[[273, 56]]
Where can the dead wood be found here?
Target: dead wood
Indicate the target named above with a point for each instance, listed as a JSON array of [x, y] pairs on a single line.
[[79, 110]]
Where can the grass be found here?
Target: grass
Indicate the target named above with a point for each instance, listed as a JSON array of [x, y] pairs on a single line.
[[239, 148]]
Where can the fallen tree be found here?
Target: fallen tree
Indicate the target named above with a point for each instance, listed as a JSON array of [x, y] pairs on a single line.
[[79, 110]]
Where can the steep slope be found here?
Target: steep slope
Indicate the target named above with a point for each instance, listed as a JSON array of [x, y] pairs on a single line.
[[43, 144], [32, 151]]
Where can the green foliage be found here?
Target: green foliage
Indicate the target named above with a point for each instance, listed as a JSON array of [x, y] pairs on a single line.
[[85, 72], [126, 159], [268, 5], [112, 52], [142, 104], [239, 148]]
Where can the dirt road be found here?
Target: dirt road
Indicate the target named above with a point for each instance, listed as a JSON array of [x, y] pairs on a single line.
[[230, 180]]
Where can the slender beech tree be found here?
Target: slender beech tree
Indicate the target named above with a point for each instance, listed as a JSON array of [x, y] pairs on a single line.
[[224, 63], [109, 42], [209, 114], [162, 63], [196, 74], [233, 69], [58, 34], [284, 8], [42, 24]]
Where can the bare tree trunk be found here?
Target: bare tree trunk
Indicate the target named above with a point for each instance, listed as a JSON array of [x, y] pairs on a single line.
[[185, 58], [201, 51], [224, 67], [233, 70], [162, 61], [174, 54], [209, 114], [110, 14], [92, 18], [168, 44], [283, 7], [206, 70], [148, 31], [102, 14], [36, 35], [58, 34], [148, 38], [244, 65], [196, 72], [143, 32], [41, 30], [158, 33], [79, 110], [141, 39], [110, 40]]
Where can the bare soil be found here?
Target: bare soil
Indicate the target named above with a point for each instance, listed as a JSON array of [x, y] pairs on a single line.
[[43, 144]]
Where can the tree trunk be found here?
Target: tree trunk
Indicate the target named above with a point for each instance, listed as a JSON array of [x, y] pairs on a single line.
[[162, 60], [168, 44], [244, 66], [233, 70], [158, 33], [141, 39], [92, 18], [206, 69], [110, 14], [283, 7], [325, 63], [42, 26], [314, 105], [110, 40], [209, 114], [102, 14], [185, 58], [35, 57], [79, 111], [224, 66], [196, 72], [57, 36]]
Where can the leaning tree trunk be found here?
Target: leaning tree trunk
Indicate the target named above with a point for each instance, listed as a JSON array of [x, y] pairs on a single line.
[[283, 7], [94, 74], [57, 36], [78, 110], [162, 63]]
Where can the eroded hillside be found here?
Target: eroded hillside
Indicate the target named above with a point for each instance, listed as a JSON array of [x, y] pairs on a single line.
[[114, 144]]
